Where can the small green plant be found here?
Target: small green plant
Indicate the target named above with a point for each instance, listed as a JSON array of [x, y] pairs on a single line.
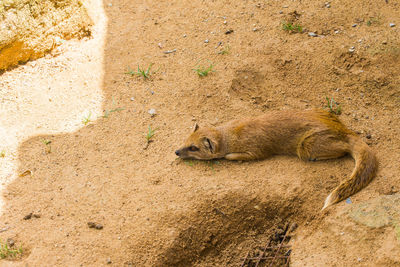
[[2, 153], [140, 72], [47, 143], [7, 252], [333, 106], [290, 27], [397, 229], [87, 119], [114, 109], [211, 163], [225, 51], [373, 21], [203, 71], [149, 135], [189, 162]]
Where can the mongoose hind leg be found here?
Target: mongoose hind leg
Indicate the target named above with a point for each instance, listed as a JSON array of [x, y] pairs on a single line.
[[313, 146]]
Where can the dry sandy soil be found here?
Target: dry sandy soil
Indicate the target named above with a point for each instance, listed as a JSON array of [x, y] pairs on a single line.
[[157, 210]]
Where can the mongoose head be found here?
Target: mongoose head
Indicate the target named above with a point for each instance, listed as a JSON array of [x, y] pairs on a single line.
[[204, 143]]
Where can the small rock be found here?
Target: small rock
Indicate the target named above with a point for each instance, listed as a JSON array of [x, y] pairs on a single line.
[[108, 261], [28, 217], [281, 12], [229, 31], [352, 49], [98, 226], [10, 242], [184, 36], [337, 31], [312, 34], [255, 29], [225, 22], [36, 215], [132, 98], [152, 112], [206, 41], [392, 24], [384, 42], [293, 227], [368, 136], [354, 25]]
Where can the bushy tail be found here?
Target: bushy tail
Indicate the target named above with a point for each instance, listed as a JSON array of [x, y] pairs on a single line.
[[363, 173]]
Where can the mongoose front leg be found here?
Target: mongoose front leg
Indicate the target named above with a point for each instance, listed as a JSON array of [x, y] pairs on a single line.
[[239, 156]]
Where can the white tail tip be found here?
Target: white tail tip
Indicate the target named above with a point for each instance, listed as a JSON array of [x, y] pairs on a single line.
[[328, 202]]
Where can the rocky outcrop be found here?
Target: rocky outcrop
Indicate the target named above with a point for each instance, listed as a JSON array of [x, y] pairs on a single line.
[[29, 28]]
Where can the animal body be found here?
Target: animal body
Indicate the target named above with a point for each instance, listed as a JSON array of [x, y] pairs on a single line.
[[311, 135]]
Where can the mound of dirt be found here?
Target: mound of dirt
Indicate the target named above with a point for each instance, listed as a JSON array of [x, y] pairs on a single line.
[[29, 29]]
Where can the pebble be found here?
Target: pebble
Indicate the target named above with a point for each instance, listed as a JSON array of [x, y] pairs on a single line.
[[10, 242], [352, 49], [368, 136], [98, 226], [312, 34], [184, 36], [29, 216], [337, 31], [108, 261], [225, 22], [132, 98], [354, 25], [392, 24], [152, 112], [206, 41], [327, 5]]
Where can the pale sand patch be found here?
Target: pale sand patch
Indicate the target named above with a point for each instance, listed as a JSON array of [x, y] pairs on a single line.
[[52, 94]]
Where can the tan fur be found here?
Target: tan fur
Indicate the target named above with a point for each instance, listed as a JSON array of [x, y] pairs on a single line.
[[311, 135]]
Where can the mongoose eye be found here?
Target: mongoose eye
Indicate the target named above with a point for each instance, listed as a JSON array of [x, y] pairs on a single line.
[[193, 148]]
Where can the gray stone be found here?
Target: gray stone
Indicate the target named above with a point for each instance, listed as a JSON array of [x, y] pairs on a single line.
[[378, 212]]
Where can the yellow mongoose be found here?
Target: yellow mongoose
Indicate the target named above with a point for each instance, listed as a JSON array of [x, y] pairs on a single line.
[[311, 135]]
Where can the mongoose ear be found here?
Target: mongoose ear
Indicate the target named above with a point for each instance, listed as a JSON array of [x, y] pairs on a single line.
[[195, 127], [208, 143]]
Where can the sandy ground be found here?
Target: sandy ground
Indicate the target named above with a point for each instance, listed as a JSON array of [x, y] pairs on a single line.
[[53, 94], [157, 210]]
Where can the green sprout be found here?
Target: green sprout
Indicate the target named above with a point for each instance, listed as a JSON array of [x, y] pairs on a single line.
[[203, 71], [140, 72], [289, 27], [333, 106]]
